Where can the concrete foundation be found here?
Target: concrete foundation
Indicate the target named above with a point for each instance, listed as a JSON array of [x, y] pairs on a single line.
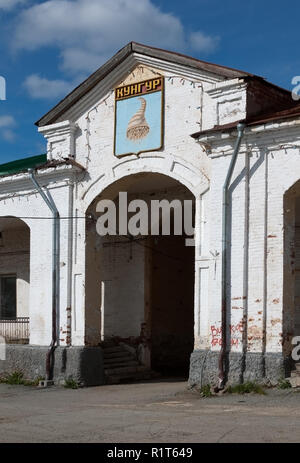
[[83, 364], [266, 368]]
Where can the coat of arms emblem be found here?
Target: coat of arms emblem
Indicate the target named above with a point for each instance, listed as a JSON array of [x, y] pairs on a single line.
[[139, 117]]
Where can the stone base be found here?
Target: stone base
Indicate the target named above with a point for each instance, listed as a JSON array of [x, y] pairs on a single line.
[[266, 368], [84, 365]]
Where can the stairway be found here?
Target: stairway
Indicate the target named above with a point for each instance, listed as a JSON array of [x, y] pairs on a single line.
[[294, 379], [122, 365]]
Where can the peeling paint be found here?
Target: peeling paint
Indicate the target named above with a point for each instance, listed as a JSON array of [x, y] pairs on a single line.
[[275, 321]]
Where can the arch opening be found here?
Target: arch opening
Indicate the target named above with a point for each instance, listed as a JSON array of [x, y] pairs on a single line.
[[14, 280], [140, 289]]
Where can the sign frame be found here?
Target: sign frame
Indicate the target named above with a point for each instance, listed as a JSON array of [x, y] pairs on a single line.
[[162, 90]]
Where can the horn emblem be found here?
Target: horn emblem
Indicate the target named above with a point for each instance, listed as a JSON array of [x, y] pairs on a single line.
[[138, 127]]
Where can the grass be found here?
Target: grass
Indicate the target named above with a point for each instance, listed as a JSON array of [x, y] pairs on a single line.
[[14, 378], [70, 383], [246, 388], [284, 384], [35, 382], [17, 378], [205, 391]]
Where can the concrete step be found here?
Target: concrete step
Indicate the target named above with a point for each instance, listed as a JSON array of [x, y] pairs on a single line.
[[121, 365], [297, 365], [132, 363], [136, 376], [295, 373], [111, 361], [108, 368], [110, 350], [126, 370], [112, 355], [128, 363]]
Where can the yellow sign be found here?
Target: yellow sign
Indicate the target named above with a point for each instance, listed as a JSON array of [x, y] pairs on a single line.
[[140, 88]]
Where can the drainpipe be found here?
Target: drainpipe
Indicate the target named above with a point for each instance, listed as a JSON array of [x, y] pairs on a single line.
[[70, 267], [240, 129], [55, 277]]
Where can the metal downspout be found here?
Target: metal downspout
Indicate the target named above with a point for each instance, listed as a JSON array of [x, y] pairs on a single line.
[[70, 267], [55, 276], [222, 369]]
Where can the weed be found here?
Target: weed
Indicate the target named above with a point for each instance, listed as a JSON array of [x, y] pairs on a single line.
[[34, 382], [70, 383], [17, 378], [284, 384], [246, 388], [205, 391]]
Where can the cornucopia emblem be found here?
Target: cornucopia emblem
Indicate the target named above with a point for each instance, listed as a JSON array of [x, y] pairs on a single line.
[[138, 127]]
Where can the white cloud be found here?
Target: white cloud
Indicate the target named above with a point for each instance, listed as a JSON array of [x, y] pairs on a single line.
[[8, 135], [7, 123], [202, 42], [10, 4], [40, 87], [79, 60], [87, 32]]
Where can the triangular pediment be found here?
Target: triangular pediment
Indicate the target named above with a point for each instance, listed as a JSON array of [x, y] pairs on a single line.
[[122, 65]]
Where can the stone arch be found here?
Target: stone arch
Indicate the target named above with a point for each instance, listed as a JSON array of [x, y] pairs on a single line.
[[15, 236], [17, 215], [162, 181], [193, 178], [291, 262]]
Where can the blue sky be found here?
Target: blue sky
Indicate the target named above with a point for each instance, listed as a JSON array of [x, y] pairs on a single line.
[[48, 47]]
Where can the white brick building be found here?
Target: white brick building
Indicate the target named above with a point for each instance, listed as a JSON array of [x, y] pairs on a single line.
[[157, 297]]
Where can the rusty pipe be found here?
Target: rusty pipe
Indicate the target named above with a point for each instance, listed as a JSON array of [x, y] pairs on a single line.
[[225, 206]]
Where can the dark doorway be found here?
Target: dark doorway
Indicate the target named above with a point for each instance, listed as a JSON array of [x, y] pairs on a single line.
[[297, 267], [172, 304], [291, 287], [8, 299]]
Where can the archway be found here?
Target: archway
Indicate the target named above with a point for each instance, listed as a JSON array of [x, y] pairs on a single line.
[[140, 289], [291, 287], [14, 280]]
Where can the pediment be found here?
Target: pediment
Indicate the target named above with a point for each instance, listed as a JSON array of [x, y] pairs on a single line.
[[121, 67]]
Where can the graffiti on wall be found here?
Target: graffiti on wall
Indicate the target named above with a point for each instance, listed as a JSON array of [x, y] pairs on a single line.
[[235, 334]]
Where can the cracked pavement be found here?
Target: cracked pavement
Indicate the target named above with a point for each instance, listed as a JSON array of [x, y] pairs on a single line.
[[153, 411]]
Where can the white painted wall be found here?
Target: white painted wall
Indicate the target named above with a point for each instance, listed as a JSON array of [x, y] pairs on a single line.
[[267, 167]]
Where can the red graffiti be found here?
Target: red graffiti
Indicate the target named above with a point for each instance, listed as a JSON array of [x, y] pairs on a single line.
[[216, 334]]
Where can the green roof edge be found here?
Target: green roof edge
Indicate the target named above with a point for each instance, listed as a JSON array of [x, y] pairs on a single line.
[[21, 165]]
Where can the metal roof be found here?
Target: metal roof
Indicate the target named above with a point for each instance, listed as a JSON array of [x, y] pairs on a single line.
[[21, 165], [261, 119]]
